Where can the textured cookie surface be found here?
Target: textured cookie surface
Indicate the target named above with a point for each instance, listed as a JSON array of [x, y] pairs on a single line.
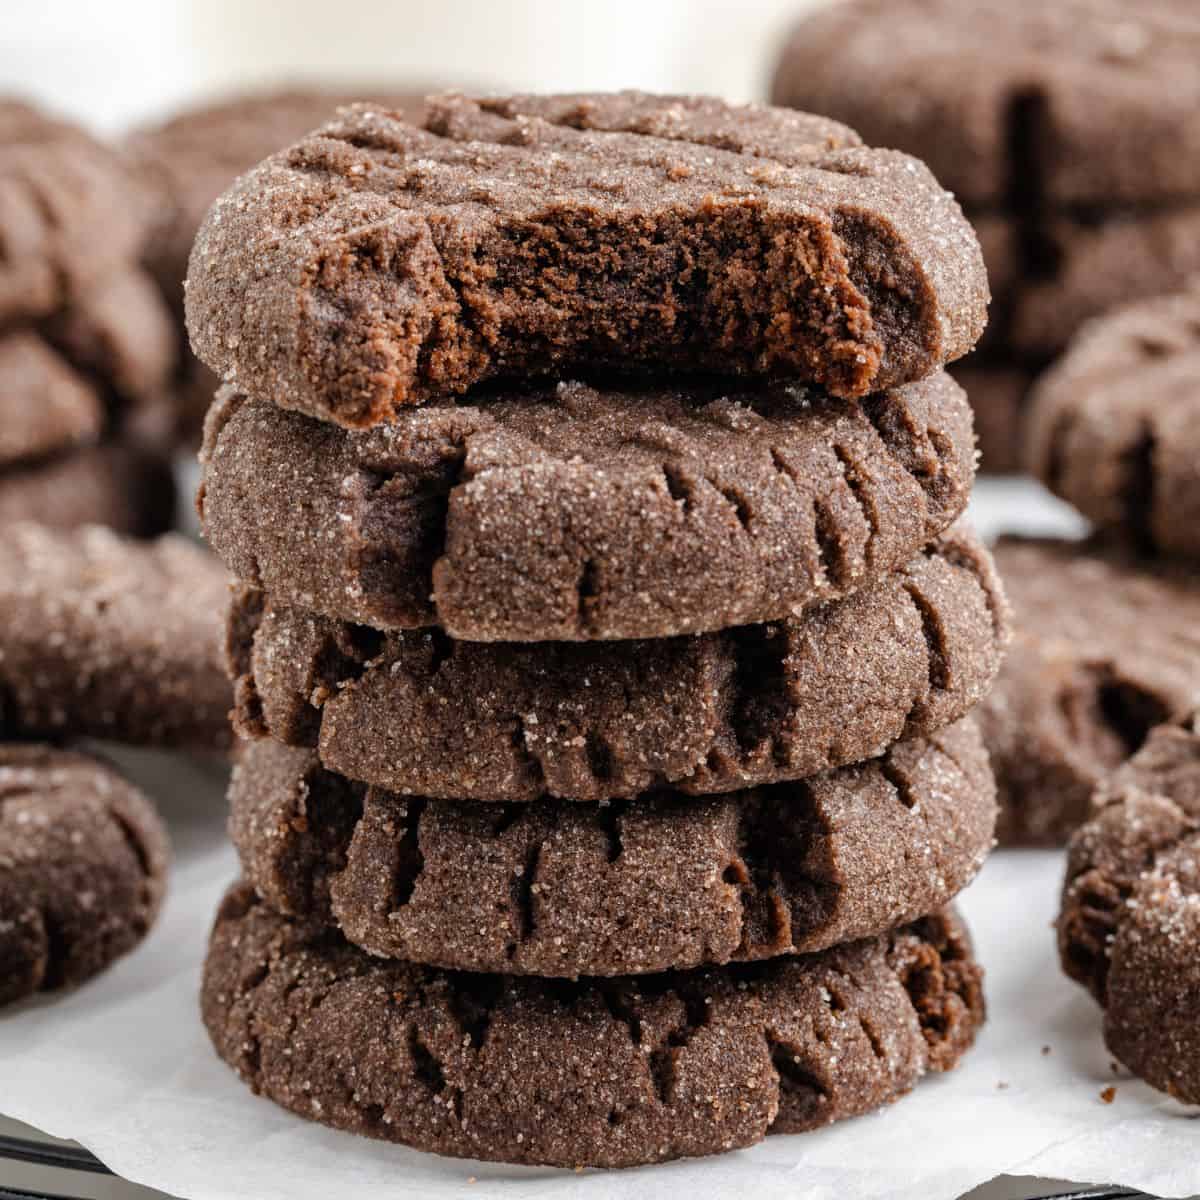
[[126, 488], [656, 883], [1115, 425], [602, 1073], [378, 263], [70, 212], [580, 512], [420, 713], [1019, 101], [188, 161], [1105, 648], [104, 637], [1130, 923], [83, 864]]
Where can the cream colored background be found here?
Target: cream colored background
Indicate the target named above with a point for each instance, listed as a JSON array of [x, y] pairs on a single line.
[[115, 62]]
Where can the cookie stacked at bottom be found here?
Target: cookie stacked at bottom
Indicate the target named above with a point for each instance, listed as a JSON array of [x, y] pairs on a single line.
[[610, 770], [611, 898]]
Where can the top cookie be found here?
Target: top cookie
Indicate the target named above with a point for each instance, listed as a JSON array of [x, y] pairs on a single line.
[[1114, 425], [1079, 101], [69, 212], [378, 264]]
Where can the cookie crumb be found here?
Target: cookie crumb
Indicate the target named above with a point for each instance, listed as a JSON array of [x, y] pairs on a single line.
[[1045, 1051], [1109, 1094]]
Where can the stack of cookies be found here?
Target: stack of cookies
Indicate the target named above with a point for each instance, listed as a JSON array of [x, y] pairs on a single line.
[[606, 636], [1067, 129], [86, 348]]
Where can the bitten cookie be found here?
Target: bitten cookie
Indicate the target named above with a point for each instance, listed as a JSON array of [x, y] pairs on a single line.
[[70, 212], [578, 512], [109, 638], [83, 865], [1115, 425], [656, 883], [1105, 648], [596, 1073], [1077, 102], [420, 713], [1130, 922], [378, 264]]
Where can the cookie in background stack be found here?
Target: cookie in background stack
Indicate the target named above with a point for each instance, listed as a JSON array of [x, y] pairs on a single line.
[[1067, 130], [186, 163], [86, 347], [612, 765]]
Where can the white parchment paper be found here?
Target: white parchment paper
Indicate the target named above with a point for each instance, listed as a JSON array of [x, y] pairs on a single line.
[[123, 1066]]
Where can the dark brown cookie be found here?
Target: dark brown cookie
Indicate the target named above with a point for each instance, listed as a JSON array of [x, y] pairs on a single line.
[[83, 865], [1115, 425], [45, 404], [657, 883], [422, 714], [1014, 102], [70, 212], [1130, 923], [1105, 648], [998, 394], [104, 637], [189, 160], [577, 512], [595, 1073], [378, 264], [124, 487], [85, 370]]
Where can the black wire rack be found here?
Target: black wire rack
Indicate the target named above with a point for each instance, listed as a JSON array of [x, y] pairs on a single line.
[[74, 1158]]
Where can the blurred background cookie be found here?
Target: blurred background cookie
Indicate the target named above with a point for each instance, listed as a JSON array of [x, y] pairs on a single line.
[[1068, 131]]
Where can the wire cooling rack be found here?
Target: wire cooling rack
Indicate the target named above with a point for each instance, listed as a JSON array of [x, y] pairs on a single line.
[[73, 1158]]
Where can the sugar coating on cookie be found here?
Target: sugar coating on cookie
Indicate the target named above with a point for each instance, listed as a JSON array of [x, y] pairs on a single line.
[[609, 1073], [420, 713], [576, 511], [1113, 426], [111, 638], [658, 882], [1129, 929], [1014, 101], [83, 864], [1104, 649], [379, 263]]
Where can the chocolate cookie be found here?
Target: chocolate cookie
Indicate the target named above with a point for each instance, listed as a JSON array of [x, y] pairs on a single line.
[[579, 512], [109, 638], [84, 861], [1130, 922], [1105, 649], [124, 487], [86, 370], [422, 714], [70, 212], [378, 264], [998, 394], [45, 404], [656, 883], [596, 1073], [1113, 427], [188, 161], [1014, 102]]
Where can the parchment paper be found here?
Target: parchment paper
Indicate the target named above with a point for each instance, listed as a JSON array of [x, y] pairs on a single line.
[[123, 1065]]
